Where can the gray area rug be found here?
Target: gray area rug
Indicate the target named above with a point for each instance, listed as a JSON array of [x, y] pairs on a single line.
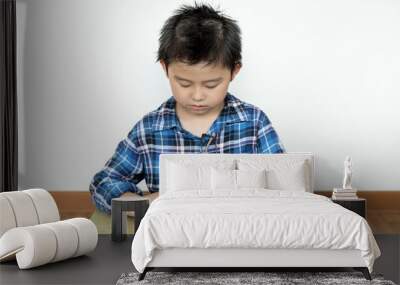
[[225, 278]]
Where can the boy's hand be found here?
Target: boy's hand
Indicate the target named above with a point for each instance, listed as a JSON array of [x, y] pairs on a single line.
[[128, 194], [151, 196]]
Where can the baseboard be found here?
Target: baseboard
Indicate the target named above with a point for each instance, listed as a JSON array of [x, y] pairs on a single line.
[[73, 204], [78, 203]]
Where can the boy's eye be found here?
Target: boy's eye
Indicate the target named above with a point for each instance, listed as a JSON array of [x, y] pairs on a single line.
[[184, 85], [211, 87]]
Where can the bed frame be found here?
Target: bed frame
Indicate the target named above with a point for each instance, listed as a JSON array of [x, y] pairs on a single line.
[[241, 259]]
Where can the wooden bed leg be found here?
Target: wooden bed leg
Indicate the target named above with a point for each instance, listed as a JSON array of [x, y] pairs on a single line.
[[364, 271], [143, 274]]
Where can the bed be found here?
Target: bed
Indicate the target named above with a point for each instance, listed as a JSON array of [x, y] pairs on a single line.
[[247, 210]]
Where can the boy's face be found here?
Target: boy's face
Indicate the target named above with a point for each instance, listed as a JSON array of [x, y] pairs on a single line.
[[199, 85]]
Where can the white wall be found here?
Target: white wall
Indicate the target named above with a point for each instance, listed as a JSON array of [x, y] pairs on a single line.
[[327, 73]]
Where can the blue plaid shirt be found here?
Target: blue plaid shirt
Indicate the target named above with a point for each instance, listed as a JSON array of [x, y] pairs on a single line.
[[239, 128]]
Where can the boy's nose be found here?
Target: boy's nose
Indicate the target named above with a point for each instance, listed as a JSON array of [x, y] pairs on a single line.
[[198, 96]]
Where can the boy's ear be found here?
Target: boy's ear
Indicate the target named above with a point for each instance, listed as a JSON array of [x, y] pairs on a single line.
[[236, 70], [164, 67]]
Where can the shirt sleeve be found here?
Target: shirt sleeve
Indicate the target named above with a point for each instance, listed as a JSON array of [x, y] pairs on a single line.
[[267, 139], [120, 174]]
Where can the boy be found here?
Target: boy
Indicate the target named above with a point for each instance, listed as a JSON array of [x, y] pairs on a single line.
[[200, 53]]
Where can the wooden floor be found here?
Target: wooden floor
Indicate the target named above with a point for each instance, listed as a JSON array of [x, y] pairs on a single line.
[[383, 209]]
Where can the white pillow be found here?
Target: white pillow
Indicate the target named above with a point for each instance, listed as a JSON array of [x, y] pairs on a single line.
[[251, 178], [291, 178], [282, 174], [223, 179], [236, 179], [188, 176], [183, 177]]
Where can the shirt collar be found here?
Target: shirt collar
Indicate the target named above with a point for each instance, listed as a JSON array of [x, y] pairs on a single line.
[[233, 111]]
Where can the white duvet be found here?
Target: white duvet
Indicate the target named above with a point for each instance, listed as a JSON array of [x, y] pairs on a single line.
[[250, 218]]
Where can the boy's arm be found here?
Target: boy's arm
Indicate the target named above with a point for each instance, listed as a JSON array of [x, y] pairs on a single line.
[[267, 139], [120, 175]]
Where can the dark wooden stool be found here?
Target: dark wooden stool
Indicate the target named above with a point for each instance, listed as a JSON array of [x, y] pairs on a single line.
[[119, 207]]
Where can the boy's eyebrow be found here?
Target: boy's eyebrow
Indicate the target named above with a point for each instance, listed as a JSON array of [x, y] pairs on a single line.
[[210, 80]]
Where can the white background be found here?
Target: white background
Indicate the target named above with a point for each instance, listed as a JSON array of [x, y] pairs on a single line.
[[327, 73]]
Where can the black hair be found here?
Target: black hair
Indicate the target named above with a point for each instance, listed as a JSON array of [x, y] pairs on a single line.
[[200, 33]]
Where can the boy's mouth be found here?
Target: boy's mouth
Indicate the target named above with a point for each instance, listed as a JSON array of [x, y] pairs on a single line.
[[198, 106]]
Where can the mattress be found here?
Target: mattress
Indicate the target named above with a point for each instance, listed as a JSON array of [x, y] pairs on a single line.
[[250, 219]]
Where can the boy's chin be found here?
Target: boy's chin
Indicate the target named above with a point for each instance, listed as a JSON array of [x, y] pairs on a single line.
[[202, 111], [194, 110], [198, 111]]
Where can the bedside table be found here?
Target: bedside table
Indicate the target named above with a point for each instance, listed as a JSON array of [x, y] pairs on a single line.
[[357, 205]]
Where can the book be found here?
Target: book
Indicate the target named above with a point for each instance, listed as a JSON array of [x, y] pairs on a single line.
[[345, 197], [344, 194], [341, 190]]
